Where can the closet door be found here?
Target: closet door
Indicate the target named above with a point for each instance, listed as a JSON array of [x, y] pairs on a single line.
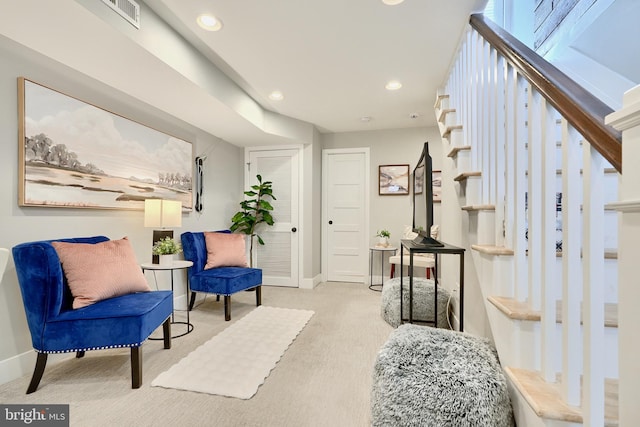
[[279, 256], [345, 181]]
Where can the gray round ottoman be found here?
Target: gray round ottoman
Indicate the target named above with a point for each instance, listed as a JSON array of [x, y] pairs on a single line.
[[422, 301], [425, 376]]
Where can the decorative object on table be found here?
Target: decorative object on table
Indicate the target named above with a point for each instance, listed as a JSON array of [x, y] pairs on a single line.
[[434, 377], [73, 154], [166, 248], [226, 275], [383, 238], [162, 214], [255, 211], [231, 364], [393, 180], [423, 302], [102, 278]]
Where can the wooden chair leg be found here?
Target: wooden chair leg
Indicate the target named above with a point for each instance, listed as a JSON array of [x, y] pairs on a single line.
[[166, 332], [136, 367], [258, 295], [227, 307], [41, 362], [393, 270], [79, 354], [192, 301]]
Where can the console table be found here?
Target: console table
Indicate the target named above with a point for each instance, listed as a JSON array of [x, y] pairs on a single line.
[[414, 248]]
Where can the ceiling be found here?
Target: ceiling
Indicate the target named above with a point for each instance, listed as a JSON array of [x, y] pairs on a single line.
[[331, 58]]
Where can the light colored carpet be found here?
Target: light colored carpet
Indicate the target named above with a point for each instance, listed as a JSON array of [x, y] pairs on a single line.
[[323, 379], [236, 362]]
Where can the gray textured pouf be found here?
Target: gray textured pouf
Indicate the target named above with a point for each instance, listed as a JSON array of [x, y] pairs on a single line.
[[434, 377], [422, 301]]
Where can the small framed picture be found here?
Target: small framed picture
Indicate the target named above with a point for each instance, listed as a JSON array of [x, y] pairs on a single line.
[[393, 180], [436, 182]]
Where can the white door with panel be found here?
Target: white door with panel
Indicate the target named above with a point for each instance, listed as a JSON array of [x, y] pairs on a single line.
[[278, 258], [345, 214]]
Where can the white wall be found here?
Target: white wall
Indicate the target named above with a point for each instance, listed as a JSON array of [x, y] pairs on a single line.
[[223, 188], [390, 147]]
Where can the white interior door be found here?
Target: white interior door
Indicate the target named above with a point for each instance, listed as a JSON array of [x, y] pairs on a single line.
[[278, 258], [345, 214]]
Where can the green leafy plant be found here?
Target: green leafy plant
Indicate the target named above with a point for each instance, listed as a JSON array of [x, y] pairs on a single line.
[[383, 233], [256, 210], [166, 246]]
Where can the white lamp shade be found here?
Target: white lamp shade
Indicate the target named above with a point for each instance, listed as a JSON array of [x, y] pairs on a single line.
[[162, 213]]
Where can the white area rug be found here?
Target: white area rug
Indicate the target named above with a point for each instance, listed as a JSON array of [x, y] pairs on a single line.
[[237, 361]]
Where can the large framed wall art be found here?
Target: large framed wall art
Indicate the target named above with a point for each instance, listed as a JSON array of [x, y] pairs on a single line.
[[76, 155]]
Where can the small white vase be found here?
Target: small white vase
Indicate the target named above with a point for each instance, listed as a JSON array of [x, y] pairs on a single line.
[[383, 241], [166, 260]]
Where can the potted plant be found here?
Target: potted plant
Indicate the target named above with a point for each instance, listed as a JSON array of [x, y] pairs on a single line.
[[255, 211], [383, 237], [166, 248]]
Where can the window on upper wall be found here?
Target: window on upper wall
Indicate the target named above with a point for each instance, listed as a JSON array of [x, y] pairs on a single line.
[[515, 16]]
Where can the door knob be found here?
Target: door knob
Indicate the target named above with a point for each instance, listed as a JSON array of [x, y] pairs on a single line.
[[330, 222], [294, 229]]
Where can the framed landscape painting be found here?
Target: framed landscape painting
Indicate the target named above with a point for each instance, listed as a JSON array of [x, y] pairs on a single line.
[[74, 154], [393, 179]]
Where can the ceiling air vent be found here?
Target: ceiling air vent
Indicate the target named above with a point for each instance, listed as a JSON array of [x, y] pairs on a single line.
[[128, 9]]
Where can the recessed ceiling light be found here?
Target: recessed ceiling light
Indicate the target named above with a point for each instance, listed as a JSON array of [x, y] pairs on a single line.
[[276, 95], [392, 2], [393, 85], [209, 22]]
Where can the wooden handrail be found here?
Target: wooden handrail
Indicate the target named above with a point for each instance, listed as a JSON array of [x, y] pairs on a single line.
[[582, 110]]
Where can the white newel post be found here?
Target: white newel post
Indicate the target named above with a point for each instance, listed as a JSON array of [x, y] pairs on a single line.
[[627, 120]]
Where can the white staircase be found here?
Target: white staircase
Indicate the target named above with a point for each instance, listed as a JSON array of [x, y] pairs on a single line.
[[536, 198]]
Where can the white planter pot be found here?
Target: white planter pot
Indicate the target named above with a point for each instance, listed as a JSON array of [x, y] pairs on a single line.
[[383, 241], [166, 260]]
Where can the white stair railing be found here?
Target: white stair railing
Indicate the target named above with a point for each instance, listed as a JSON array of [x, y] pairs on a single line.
[[526, 155]]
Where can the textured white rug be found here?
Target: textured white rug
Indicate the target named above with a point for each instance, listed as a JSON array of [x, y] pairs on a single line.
[[237, 361]]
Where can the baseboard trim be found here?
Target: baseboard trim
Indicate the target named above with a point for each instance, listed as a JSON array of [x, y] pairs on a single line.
[[311, 283], [23, 364]]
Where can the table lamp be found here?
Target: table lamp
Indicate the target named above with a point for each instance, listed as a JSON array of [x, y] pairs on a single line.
[[161, 214]]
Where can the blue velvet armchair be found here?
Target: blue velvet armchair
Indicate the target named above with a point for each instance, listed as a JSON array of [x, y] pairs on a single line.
[[123, 321], [224, 281]]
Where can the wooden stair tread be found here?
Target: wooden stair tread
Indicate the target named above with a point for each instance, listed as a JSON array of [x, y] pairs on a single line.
[[492, 249], [439, 100], [513, 309], [519, 310], [606, 171], [455, 150], [479, 208], [608, 254], [546, 400], [463, 176], [444, 112], [449, 129]]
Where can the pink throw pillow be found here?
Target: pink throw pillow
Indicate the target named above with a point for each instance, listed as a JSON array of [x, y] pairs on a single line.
[[225, 250], [97, 271]]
